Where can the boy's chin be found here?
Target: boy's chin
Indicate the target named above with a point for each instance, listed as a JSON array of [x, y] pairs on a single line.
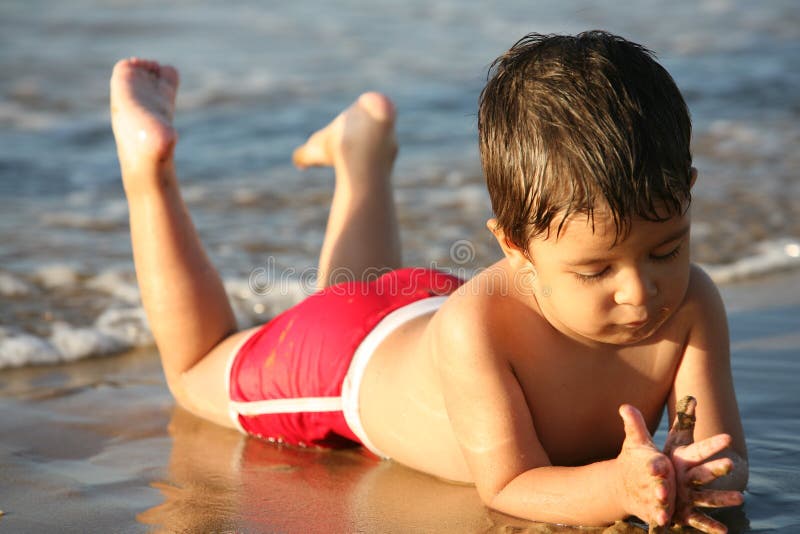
[[623, 334]]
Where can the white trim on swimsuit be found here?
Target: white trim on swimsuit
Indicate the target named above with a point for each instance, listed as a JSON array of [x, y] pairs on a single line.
[[348, 403]]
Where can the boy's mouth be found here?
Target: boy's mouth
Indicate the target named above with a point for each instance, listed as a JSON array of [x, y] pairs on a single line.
[[636, 324], [653, 320], [645, 318]]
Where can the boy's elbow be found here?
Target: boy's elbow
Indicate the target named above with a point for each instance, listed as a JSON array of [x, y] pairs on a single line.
[[487, 495], [492, 493], [736, 479], [492, 500], [740, 474]]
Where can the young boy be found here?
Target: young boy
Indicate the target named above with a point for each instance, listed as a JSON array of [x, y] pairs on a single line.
[[513, 380]]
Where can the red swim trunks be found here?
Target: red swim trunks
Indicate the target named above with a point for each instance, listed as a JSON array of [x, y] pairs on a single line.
[[286, 380]]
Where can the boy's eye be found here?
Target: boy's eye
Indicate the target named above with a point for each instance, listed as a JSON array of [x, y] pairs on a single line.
[[597, 276], [591, 277], [669, 255]]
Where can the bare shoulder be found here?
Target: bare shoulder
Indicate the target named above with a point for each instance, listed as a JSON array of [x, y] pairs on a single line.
[[460, 322], [481, 316], [703, 303]]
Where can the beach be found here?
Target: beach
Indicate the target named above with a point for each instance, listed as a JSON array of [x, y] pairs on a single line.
[[90, 439], [99, 446]]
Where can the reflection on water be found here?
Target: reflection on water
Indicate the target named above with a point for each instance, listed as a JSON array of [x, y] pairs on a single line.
[[219, 480]]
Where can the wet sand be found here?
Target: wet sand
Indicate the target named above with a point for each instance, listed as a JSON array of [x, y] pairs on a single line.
[[98, 446]]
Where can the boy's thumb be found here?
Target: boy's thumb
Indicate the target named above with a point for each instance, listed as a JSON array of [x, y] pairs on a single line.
[[635, 428], [682, 431]]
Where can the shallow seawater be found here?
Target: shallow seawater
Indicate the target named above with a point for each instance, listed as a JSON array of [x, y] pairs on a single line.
[[256, 80]]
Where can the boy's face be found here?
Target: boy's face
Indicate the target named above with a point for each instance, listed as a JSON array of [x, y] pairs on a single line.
[[591, 289]]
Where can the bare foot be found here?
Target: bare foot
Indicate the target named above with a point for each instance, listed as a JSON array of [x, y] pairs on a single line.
[[363, 134], [142, 106]]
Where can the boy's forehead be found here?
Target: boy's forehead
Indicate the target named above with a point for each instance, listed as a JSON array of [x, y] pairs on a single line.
[[598, 229]]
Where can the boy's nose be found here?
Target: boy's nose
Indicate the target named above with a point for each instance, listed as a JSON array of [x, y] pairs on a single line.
[[635, 288]]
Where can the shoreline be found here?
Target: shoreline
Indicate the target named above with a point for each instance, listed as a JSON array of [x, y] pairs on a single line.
[[98, 445], [54, 330]]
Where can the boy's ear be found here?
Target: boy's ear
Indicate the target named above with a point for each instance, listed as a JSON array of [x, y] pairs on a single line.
[[515, 256], [693, 179]]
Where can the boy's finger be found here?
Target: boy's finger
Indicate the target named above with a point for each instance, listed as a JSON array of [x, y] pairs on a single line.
[[709, 471], [682, 431], [635, 427], [703, 523], [717, 498], [699, 452]]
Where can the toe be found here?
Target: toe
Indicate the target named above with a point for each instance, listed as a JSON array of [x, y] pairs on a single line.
[[125, 68], [145, 64], [122, 66], [170, 74]]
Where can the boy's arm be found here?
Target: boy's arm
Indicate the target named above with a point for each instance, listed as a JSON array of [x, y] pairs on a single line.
[[705, 373], [494, 427]]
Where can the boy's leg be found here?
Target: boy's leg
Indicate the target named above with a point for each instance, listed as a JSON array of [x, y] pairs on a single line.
[[182, 294], [362, 233]]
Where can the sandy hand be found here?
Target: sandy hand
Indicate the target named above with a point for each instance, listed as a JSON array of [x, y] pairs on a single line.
[[142, 107], [646, 482], [694, 468]]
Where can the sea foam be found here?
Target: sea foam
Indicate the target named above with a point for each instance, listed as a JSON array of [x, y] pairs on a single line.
[[13, 286], [771, 256], [121, 323], [18, 349]]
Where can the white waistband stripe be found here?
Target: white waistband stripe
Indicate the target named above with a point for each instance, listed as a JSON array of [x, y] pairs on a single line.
[[305, 404]]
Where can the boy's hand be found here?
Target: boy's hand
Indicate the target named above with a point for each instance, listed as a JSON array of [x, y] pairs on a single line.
[[692, 470], [646, 480]]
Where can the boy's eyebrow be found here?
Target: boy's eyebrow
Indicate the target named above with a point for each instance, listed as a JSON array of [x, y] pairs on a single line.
[[672, 237], [675, 235]]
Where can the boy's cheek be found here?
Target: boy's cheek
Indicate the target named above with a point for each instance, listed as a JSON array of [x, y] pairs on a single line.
[[580, 303]]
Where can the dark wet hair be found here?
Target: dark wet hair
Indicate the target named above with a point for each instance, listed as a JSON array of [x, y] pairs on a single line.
[[567, 121]]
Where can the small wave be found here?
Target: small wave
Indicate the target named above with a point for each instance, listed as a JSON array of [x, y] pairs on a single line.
[[77, 343], [737, 140], [259, 297], [112, 218], [18, 349], [123, 324], [115, 330], [14, 286], [118, 322], [771, 257], [116, 283], [17, 117], [126, 325], [57, 276]]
